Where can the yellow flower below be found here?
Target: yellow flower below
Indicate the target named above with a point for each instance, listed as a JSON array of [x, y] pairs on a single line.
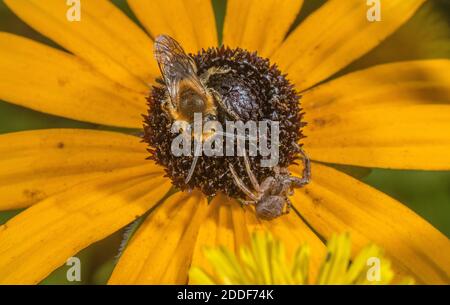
[[264, 262]]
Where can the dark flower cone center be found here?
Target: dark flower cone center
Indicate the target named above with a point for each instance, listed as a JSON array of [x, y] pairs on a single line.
[[251, 88]]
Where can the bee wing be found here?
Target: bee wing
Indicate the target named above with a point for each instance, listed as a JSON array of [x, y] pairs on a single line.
[[175, 65]]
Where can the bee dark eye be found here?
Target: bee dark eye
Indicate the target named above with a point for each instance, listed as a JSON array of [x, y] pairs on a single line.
[[190, 103]]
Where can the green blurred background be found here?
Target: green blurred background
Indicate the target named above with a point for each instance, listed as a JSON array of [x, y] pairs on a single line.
[[426, 35]]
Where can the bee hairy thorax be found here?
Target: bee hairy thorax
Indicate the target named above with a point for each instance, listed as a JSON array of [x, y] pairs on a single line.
[[246, 87], [191, 102]]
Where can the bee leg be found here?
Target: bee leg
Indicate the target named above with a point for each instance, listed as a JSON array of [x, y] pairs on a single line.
[[194, 164], [222, 105], [191, 170], [170, 109], [211, 71], [299, 182]]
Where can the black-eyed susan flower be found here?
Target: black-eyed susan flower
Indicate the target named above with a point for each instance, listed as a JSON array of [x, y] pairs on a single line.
[[79, 186], [264, 262]]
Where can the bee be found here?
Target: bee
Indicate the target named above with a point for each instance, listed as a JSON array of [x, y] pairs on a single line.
[[271, 197], [187, 92]]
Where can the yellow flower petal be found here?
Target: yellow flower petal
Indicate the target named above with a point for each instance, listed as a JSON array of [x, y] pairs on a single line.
[[365, 118], [383, 117], [190, 22], [335, 35], [334, 203], [41, 238], [394, 84], [403, 137], [228, 224], [37, 164], [258, 25], [161, 249], [45, 79], [104, 37], [224, 225]]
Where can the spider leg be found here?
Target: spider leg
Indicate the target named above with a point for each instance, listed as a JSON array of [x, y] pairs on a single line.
[[246, 202], [250, 174], [277, 170], [240, 184], [299, 182], [288, 205]]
